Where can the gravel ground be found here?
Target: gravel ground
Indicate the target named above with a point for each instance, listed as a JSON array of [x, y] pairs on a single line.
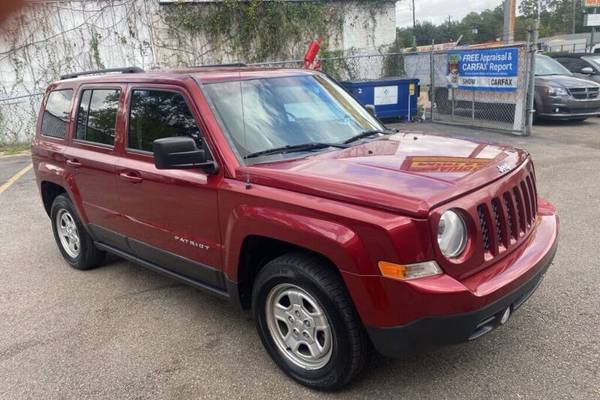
[[124, 332]]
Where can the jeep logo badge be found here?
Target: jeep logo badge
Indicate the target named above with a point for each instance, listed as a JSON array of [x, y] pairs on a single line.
[[503, 168]]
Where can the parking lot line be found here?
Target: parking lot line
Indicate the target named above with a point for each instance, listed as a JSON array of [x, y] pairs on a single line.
[[15, 178]]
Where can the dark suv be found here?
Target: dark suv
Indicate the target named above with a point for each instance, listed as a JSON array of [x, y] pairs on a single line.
[[275, 189]]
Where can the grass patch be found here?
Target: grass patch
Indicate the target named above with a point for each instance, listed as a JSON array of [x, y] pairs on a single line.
[[11, 149]]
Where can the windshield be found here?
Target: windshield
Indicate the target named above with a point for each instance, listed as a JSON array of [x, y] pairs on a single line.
[[270, 113], [594, 60], [545, 65]]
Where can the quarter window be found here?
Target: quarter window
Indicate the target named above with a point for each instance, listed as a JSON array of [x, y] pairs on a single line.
[[56, 114], [156, 114], [97, 116]]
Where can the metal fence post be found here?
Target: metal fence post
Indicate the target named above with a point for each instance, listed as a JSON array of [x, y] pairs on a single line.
[[473, 105], [531, 81], [432, 79]]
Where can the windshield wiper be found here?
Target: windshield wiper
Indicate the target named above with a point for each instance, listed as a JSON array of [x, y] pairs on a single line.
[[366, 134], [295, 148]]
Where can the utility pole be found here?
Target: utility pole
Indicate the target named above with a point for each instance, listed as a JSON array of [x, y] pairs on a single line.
[[510, 9], [414, 25], [531, 79], [573, 12]]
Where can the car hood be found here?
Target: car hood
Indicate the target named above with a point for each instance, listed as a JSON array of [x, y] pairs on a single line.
[[405, 172], [564, 81]]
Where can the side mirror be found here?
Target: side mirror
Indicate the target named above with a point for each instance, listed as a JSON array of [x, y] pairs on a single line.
[[181, 152], [587, 70], [371, 109]]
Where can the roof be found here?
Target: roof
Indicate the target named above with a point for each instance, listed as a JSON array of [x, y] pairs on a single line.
[[572, 55], [177, 76], [571, 37]]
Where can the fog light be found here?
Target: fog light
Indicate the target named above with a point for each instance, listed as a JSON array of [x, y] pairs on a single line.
[[410, 271], [557, 110]]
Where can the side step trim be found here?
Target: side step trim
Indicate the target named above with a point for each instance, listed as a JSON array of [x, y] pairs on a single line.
[[146, 264]]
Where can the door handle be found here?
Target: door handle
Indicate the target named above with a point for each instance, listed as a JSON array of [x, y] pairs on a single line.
[[73, 163], [133, 177]]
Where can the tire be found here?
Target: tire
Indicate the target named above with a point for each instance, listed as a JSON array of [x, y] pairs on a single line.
[[305, 277], [74, 243]]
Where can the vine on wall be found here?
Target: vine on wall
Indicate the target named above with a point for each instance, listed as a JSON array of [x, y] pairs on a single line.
[[259, 30]]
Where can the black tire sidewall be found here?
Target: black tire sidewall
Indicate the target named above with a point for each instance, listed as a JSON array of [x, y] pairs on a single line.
[[327, 376], [64, 203]]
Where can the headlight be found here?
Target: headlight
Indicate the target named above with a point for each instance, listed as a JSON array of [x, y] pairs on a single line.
[[557, 91], [452, 234]]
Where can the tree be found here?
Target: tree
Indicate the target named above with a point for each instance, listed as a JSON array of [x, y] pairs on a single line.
[[556, 17]]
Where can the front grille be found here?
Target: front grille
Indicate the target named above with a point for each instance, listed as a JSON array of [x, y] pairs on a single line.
[[584, 93], [508, 217]]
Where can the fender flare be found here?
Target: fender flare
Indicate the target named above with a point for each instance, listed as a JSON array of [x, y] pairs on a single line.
[[49, 172], [338, 243]]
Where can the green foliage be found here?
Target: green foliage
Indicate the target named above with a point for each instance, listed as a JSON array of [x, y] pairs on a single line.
[[95, 53], [393, 64], [556, 18], [257, 30], [10, 149]]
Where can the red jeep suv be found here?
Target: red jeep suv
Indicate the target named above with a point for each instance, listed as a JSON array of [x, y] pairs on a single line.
[[277, 190]]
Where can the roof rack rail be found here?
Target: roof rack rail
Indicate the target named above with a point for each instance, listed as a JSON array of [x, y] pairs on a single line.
[[220, 65], [126, 70]]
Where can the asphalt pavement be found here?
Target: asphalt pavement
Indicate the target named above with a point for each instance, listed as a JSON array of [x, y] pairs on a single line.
[[121, 331]]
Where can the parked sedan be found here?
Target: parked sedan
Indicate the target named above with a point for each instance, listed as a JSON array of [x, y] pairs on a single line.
[[560, 95]]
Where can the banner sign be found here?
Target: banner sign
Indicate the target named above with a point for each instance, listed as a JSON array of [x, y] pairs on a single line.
[[591, 3], [484, 69]]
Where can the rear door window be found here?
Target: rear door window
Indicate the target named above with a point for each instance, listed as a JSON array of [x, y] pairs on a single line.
[[156, 114], [56, 114], [97, 116]]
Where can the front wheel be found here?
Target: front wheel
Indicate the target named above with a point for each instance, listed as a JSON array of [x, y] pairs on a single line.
[[307, 322]]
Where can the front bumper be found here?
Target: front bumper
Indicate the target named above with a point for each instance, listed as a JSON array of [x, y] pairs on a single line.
[[404, 315], [457, 328], [569, 108]]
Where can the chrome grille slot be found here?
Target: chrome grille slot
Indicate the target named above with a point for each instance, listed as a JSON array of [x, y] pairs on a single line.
[[519, 209], [485, 232], [497, 220]]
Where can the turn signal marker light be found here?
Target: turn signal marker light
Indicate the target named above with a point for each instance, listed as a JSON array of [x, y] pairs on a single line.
[[410, 271], [391, 270]]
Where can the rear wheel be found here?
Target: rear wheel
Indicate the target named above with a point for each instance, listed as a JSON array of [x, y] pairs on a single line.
[[307, 322], [73, 241]]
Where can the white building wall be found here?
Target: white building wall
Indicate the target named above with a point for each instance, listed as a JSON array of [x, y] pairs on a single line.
[[43, 42]]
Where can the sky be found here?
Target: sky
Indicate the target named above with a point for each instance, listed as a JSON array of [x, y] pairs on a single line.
[[437, 11]]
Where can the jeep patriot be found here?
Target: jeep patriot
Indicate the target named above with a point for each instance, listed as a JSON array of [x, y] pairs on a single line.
[[275, 189]]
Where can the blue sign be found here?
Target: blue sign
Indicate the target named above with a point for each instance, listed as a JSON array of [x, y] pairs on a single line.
[[484, 69]]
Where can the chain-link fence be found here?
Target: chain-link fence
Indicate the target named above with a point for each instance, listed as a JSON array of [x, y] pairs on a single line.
[[18, 118], [449, 93], [485, 87], [491, 92], [352, 67]]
